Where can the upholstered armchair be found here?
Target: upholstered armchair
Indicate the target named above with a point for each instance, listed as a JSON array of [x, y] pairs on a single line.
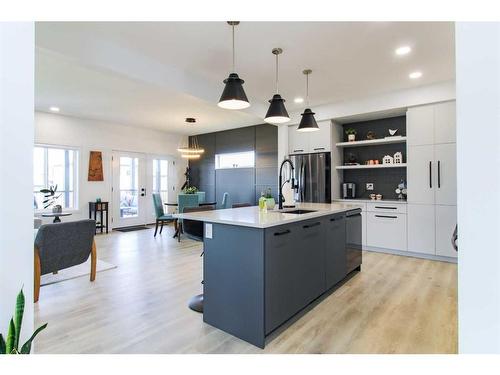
[[62, 245]]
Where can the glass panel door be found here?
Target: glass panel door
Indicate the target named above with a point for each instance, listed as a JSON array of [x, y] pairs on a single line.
[[129, 189]]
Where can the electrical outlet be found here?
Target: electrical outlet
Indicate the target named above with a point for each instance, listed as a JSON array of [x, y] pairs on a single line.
[[369, 186]]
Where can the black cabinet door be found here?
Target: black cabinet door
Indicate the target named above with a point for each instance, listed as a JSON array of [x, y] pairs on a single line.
[[280, 272], [335, 250], [309, 249]]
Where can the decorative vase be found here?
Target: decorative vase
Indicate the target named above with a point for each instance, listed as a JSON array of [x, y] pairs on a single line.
[[262, 204], [57, 209], [270, 203], [351, 137]]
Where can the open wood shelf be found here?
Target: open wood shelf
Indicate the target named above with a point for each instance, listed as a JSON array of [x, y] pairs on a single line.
[[372, 142], [373, 166]]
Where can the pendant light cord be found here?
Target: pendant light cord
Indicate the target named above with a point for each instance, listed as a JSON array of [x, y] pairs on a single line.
[[234, 70], [307, 90], [277, 79]]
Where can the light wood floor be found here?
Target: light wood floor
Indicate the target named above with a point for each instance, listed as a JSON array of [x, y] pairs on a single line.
[[395, 305]]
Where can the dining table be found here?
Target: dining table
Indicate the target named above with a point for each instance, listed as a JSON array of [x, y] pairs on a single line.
[[176, 225]]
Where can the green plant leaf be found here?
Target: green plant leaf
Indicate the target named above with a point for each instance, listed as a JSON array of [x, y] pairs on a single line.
[[2, 345], [9, 345], [45, 191], [18, 317], [26, 349]]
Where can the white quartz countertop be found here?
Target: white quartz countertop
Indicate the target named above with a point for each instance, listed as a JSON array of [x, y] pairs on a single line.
[[252, 217], [392, 201]]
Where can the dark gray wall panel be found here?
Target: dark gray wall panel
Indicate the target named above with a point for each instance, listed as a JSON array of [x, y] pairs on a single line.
[[266, 138], [236, 140], [266, 176], [239, 183]]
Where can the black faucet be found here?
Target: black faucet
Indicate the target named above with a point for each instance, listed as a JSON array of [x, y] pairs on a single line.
[[280, 193]]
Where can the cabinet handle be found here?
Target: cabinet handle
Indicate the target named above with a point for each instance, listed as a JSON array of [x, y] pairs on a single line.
[[319, 148], [430, 174], [282, 233], [298, 150], [439, 173], [387, 208], [387, 217], [335, 218], [311, 225]]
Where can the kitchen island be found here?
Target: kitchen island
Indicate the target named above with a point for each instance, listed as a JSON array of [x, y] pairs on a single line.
[[260, 269]]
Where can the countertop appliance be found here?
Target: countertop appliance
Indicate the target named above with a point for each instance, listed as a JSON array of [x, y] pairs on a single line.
[[313, 177], [354, 253], [348, 190]]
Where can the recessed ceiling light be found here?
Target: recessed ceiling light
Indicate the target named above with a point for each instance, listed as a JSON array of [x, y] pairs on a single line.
[[298, 100], [415, 75], [54, 109], [403, 50]]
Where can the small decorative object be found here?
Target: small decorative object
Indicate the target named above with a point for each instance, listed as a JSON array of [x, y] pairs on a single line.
[[351, 159], [262, 203], [98, 200], [401, 190], [57, 209], [372, 197], [388, 159], [378, 197], [392, 132], [398, 158], [50, 197], [351, 134], [270, 202], [11, 344], [187, 174], [95, 166], [371, 135], [191, 190], [377, 161], [371, 162]]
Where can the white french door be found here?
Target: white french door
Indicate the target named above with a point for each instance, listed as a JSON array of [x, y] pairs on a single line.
[[130, 194]]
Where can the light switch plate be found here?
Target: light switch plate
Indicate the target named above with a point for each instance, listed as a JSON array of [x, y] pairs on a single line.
[[369, 186], [208, 230]]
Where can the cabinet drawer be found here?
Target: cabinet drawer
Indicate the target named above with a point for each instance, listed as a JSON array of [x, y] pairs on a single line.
[[386, 230], [394, 208]]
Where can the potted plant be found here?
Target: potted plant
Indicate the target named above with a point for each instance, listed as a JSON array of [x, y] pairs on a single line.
[[11, 344], [351, 134], [50, 198], [270, 202], [191, 190]]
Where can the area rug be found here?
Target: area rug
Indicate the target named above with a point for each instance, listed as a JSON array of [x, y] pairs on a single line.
[[74, 272], [131, 229]]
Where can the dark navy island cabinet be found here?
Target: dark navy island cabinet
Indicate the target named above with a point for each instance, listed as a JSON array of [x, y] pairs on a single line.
[[256, 279]]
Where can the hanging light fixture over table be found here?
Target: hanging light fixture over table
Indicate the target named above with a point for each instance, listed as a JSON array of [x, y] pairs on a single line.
[[193, 149], [277, 114], [308, 122], [233, 96]]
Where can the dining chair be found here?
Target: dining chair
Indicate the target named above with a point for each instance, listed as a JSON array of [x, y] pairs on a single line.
[[184, 200], [161, 217], [225, 200], [201, 196], [63, 245]]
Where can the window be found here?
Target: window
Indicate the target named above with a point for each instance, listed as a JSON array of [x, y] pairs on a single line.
[[160, 178], [55, 166], [235, 160]]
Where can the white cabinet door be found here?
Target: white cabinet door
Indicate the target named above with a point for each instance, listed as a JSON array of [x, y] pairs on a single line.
[[445, 156], [298, 142], [420, 125], [420, 174], [386, 230], [446, 219], [320, 140], [421, 228], [445, 123]]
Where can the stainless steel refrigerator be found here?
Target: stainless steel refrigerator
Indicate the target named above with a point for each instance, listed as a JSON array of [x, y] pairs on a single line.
[[313, 177]]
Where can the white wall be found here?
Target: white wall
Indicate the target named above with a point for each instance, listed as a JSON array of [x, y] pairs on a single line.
[[89, 135], [16, 176], [478, 150]]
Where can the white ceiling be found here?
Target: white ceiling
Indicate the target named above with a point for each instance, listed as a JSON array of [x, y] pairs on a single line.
[[154, 74]]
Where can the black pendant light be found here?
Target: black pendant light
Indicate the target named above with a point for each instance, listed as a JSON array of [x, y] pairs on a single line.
[[233, 96], [308, 122], [277, 114]]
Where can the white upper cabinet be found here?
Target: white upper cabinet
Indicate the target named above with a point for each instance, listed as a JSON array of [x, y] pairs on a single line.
[[444, 123], [320, 140], [308, 142], [420, 125], [421, 174], [445, 156], [298, 142], [431, 124]]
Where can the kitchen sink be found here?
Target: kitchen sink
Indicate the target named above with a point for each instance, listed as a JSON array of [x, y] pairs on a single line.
[[298, 212]]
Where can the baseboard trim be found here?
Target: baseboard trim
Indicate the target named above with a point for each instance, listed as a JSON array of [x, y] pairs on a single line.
[[411, 254]]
